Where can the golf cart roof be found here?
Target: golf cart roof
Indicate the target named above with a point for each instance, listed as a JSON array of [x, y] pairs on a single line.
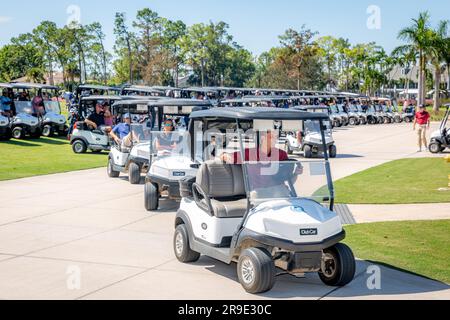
[[204, 90], [162, 88], [142, 89], [311, 108], [95, 87], [258, 113], [24, 85], [6, 85], [256, 99], [324, 96], [103, 98], [180, 103]]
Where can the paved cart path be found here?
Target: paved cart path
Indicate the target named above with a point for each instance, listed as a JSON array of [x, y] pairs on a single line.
[[81, 235]]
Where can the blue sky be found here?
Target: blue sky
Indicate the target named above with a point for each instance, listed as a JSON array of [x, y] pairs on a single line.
[[254, 24]]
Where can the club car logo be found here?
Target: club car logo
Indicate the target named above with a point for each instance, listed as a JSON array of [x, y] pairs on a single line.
[[179, 174], [308, 232]]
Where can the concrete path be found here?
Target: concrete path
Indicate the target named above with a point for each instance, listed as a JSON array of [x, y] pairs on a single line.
[[81, 235]]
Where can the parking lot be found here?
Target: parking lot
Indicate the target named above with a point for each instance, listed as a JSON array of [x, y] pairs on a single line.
[[81, 235]]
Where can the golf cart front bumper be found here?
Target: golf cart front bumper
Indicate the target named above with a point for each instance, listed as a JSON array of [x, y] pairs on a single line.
[[290, 256], [57, 127], [172, 186]]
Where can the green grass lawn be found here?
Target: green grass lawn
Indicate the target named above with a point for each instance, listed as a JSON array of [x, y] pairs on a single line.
[[26, 158], [404, 181], [421, 247]]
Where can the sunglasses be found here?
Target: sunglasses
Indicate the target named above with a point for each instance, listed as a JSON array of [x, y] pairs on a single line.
[[168, 125]]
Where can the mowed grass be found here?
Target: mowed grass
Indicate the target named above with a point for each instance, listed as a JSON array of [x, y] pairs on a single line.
[[27, 158], [421, 247], [406, 181]]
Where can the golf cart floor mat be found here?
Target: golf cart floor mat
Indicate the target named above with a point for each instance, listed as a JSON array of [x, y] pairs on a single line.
[[344, 213]]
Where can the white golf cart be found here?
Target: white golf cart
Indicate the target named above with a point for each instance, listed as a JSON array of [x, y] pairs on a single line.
[[309, 139], [263, 215], [84, 138], [132, 155], [440, 139], [171, 162], [5, 126]]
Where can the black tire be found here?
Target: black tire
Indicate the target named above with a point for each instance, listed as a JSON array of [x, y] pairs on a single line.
[[134, 173], [151, 195], [333, 151], [110, 170], [398, 119], [340, 269], [408, 120], [256, 270], [181, 246], [18, 133], [79, 147], [435, 147], [47, 131], [352, 122], [307, 151]]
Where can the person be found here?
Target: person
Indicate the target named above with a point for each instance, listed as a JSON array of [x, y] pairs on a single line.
[[38, 105], [23, 96], [164, 142], [422, 119], [97, 119], [109, 122], [266, 152], [120, 132], [5, 103]]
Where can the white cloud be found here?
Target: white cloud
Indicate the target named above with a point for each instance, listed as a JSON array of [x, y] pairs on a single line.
[[4, 19]]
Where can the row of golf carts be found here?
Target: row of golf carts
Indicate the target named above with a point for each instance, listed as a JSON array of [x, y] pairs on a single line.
[[27, 119], [271, 218]]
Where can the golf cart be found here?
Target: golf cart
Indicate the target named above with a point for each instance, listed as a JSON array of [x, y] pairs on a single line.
[[409, 113], [82, 137], [169, 163], [440, 140], [142, 91], [262, 215], [5, 115], [336, 117], [257, 101], [132, 155], [309, 139]]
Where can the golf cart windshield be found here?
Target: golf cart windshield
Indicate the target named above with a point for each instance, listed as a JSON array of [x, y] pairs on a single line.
[[23, 107], [354, 108], [341, 109], [314, 126], [269, 181], [52, 106], [334, 109]]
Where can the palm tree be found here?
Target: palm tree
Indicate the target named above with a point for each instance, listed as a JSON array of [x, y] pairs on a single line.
[[419, 37], [438, 51]]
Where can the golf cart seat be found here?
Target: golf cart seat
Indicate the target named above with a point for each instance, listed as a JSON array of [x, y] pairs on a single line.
[[219, 190]]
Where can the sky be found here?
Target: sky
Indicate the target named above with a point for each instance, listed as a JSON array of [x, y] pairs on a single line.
[[255, 24]]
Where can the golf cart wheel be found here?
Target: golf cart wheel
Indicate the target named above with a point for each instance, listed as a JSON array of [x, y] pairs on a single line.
[[134, 173], [338, 266], [79, 147], [256, 270], [398, 120], [408, 120], [18, 133], [47, 131], [181, 246], [435, 147], [333, 151], [352, 121], [111, 172], [308, 152], [151, 195]]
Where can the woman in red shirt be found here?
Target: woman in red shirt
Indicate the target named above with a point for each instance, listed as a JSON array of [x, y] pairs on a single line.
[[423, 120]]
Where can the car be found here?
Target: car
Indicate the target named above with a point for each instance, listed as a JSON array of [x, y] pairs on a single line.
[[440, 139], [83, 138], [309, 139], [262, 216], [132, 158], [172, 164]]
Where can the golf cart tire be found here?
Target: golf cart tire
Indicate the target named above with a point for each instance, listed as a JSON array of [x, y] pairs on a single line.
[[344, 263], [151, 195], [408, 120], [111, 172], [47, 131], [79, 147], [18, 133], [134, 173], [263, 270], [352, 122], [435, 147], [333, 151], [181, 246], [308, 152]]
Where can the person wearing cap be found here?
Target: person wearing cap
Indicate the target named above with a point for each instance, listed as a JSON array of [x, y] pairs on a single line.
[[121, 131], [5, 103], [97, 119], [422, 119], [164, 141]]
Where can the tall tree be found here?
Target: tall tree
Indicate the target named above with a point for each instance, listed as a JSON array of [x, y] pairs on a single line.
[[124, 38]]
